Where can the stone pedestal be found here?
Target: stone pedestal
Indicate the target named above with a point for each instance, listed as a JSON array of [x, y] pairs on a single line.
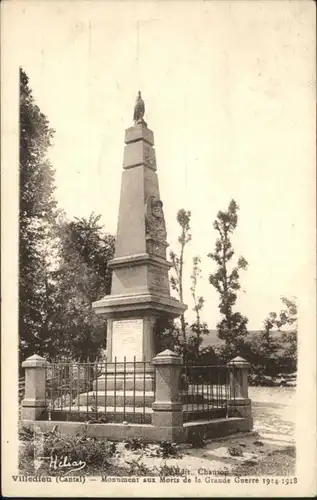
[[240, 403], [167, 408], [34, 403], [140, 292]]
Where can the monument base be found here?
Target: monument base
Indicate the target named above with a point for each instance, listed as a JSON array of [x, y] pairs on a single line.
[[146, 303], [121, 385], [125, 382], [132, 321], [116, 399]]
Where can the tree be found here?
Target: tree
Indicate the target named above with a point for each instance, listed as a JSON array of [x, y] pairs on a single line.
[[195, 277], [36, 217], [82, 277], [233, 326], [274, 350], [269, 345], [287, 324], [262, 349], [183, 219], [188, 337], [198, 329], [286, 343], [288, 316]]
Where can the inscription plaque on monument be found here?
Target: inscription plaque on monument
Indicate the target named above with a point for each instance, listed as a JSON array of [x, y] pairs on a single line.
[[158, 280], [127, 339]]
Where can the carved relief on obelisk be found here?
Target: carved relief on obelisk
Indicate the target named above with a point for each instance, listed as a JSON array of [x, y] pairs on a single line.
[[155, 227]]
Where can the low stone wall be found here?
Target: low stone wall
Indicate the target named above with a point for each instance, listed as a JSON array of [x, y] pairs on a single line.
[[214, 429], [113, 431], [148, 433]]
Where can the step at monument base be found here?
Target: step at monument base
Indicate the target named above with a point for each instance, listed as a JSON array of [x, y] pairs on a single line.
[[125, 382], [107, 398]]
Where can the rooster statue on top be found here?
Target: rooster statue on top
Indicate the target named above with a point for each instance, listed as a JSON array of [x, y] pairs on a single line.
[[139, 110]]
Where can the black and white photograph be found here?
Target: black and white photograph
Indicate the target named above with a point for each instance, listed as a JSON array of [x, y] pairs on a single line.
[[158, 238]]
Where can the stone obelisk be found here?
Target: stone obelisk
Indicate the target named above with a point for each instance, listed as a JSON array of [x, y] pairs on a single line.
[[140, 292]]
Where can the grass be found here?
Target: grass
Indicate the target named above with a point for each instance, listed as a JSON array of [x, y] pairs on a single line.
[[277, 463], [100, 455]]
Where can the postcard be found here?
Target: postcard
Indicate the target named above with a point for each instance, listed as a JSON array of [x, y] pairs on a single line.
[[158, 248]]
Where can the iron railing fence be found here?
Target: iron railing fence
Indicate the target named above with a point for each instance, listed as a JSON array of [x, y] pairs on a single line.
[[121, 391], [100, 391], [21, 388], [206, 391]]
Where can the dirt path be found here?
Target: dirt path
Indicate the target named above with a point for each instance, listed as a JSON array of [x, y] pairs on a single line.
[[273, 413]]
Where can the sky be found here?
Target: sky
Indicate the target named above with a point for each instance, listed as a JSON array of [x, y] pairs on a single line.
[[229, 90]]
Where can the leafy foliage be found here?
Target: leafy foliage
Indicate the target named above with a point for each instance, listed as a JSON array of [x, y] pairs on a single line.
[[187, 338], [233, 327], [138, 468], [235, 451], [36, 218], [81, 278], [183, 219], [63, 264], [273, 351], [168, 449], [288, 318], [198, 329], [26, 434], [169, 470], [134, 444], [195, 277], [286, 323], [95, 452]]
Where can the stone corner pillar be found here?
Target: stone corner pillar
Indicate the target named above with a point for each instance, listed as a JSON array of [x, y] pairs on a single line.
[[239, 402], [167, 408], [34, 402]]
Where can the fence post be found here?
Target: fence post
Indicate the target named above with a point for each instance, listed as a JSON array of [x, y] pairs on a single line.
[[239, 400], [167, 414], [34, 402]]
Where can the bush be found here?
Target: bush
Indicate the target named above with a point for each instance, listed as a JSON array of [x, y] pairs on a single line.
[[95, 452], [235, 451], [137, 468], [134, 444], [260, 380], [169, 470], [26, 434], [258, 443], [167, 449]]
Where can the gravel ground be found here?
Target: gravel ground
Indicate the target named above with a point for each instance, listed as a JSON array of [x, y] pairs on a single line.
[[242, 454]]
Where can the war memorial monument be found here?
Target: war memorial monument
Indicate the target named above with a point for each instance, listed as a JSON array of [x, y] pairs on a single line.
[[138, 391]]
